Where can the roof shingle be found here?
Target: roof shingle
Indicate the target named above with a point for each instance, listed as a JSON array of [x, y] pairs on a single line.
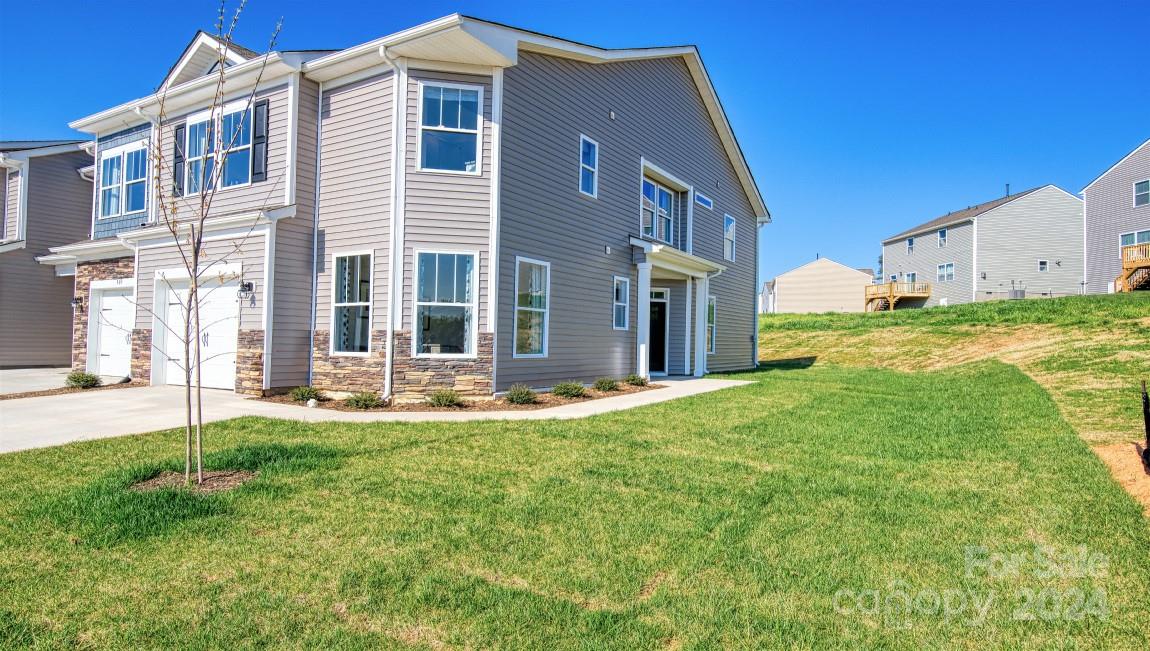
[[959, 216]]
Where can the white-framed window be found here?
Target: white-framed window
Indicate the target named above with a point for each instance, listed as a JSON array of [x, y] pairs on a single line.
[[199, 149], [532, 307], [912, 277], [945, 272], [729, 225], [124, 180], [351, 304], [1043, 266], [446, 316], [909, 245], [621, 303], [712, 321], [703, 200], [894, 278], [1130, 239], [588, 166], [942, 238], [449, 127], [1142, 193], [658, 212], [236, 147]]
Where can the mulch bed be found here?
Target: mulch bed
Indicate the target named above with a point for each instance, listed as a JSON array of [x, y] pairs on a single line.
[[542, 401], [214, 481], [63, 390]]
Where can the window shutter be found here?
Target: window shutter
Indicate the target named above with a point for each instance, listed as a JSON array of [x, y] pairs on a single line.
[[260, 141], [178, 160]]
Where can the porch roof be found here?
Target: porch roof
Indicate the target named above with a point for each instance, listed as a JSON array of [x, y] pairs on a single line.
[[668, 257]]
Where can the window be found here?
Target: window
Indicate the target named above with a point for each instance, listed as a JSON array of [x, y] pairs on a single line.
[[236, 148], [703, 200], [1142, 193], [729, 237], [942, 238], [1043, 266], [123, 181], [445, 314], [200, 162], [621, 311], [712, 317], [449, 128], [912, 277], [588, 166], [894, 278], [532, 300], [910, 245], [1130, 239], [351, 304], [945, 272], [658, 211]]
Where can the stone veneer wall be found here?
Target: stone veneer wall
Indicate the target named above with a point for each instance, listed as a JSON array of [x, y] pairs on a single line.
[[142, 355], [415, 377], [349, 373], [86, 272], [250, 362]]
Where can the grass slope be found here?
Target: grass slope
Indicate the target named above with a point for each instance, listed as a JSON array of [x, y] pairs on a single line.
[[723, 521], [1089, 352]]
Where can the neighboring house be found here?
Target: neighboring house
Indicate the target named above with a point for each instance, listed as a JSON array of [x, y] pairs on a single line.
[[1117, 223], [1025, 244], [767, 298], [458, 205], [821, 285], [45, 201]]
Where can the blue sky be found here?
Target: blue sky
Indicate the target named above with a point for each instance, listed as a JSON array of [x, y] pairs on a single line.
[[859, 119]]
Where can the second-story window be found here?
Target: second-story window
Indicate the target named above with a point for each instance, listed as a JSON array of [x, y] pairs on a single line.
[[588, 166], [224, 138], [236, 148], [1142, 193], [942, 238], [910, 245], [123, 181], [200, 162], [449, 128], [658, 211], [729, 238]]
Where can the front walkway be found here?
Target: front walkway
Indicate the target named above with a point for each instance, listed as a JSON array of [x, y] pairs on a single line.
[[54, 420]]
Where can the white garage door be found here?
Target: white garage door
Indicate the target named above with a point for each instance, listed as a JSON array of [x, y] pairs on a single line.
[[114, 321], [219, 322]]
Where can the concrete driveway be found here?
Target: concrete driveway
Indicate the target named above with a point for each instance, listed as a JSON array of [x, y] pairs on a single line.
[[23, 380], [27, 423]]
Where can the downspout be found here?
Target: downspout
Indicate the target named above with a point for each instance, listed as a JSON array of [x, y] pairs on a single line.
[[397, 134], [315, 237]]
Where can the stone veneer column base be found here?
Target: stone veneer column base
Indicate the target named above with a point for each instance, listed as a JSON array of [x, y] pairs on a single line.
[[250, 362], [416, 377], [86, 272], [356, 373], [141, 355]]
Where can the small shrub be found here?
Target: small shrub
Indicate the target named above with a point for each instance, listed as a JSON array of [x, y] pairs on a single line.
[[569, 390], [635, 380], [445, 398], [520, 394], [606, 384], [303, 394], [81, 380], [363, 400]]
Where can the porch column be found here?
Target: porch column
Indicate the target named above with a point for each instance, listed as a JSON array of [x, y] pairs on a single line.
[[701, 326], [688, 317], [643, 329]]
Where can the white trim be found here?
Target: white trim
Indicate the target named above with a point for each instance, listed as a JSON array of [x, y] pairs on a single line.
[[96, 289], [496, 189], [704, 201], [268, 294], [666, 300], [223, 274], [712, 337], [941, 235], [615, 280], [315, 236], [1134, 193], [734, 237], [399, 200], [515, 354], [643, 320], [974, 257], [121, 152], [293, 137], [594, 169], [942, 267], [201, 41], [333, 305], [474, 304], [480, 119], [1041, 263], [688, 318]]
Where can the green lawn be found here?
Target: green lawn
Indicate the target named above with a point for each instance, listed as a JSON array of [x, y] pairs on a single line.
[[725, 521]]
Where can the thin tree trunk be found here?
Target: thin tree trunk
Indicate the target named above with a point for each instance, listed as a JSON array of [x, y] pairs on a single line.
[[195, 281], [187, 398]]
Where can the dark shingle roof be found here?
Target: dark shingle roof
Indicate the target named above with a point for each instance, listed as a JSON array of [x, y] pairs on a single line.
[[959, 216]]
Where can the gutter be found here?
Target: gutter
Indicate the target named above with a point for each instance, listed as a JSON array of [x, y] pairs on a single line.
[[398, 162], [315, 237]]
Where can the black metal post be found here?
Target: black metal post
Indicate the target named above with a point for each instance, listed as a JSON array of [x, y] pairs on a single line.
[[1146, 424]]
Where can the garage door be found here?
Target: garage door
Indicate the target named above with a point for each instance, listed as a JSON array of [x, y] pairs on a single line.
[[219, 322], [114, 323]]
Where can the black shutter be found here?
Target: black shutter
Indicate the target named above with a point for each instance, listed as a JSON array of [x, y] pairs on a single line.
[[178, 161], [260, 141]]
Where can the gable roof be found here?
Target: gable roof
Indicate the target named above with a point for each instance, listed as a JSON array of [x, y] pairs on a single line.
[[202, 52], [824, 261], [1111, 168], [866, 270], [960, 216]]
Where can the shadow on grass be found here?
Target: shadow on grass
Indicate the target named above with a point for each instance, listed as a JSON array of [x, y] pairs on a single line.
[[788, 364], [107, 511]]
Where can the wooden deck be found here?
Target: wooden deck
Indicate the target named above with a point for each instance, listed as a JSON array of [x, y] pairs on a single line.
[[1135, 268], [886, 295]]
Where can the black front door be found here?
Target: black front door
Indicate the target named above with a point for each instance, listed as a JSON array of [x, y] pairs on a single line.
[[657, 351]]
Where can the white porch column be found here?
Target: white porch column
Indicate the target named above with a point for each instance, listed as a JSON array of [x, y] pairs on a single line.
[[701, 326], [688, 316], [643, 334]]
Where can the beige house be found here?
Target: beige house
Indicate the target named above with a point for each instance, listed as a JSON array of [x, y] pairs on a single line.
[[819, 286]]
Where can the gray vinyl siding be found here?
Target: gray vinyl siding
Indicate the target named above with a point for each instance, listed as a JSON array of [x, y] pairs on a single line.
[[355, 186], [548, 103], [1045, 224], [443, 210], [11, 204], [927, 256], [35, 304], [1110, 212], [249, 255], [292, 273], [677, 316], [108, 226]]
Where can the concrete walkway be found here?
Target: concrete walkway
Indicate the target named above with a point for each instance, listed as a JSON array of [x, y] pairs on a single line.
[[28, 423], [23, 380]]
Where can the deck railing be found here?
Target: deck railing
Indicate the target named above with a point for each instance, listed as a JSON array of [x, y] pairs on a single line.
[[898, 289], [1136, 255]]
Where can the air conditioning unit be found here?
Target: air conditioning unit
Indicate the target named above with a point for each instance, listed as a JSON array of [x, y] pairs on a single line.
[[1017, 293]]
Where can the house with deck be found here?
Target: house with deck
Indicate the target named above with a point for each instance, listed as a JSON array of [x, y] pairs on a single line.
[[1023, 245], [1117, 226], [460, 205], [45, 194]]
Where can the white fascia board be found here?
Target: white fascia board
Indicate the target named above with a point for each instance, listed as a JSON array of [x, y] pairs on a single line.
[[203, 40], [667, 256], [371, 53], [84, 252], [1111, 168], [212, 224]]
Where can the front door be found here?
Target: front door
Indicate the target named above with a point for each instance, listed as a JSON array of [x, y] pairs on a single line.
[[657, 351]]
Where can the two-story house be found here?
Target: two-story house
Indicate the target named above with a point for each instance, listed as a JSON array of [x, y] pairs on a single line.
[[1117, 225], [458, 205], [45, 192], [1024, 244]]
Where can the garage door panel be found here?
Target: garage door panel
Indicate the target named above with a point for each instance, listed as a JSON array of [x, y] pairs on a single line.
[[113, 332], [219, 326]]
